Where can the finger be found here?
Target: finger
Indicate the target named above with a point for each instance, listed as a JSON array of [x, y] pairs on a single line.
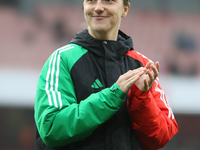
[[148, 65], [155, 71], [128, 83], [125, 84], [146, 85], [158, 66], [131, 73], [134, 78], [151, 77]]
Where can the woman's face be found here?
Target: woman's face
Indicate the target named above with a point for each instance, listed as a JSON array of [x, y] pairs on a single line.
[[104, 16]]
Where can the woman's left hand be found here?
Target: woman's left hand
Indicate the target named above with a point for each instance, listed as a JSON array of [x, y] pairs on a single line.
[[146, 80]]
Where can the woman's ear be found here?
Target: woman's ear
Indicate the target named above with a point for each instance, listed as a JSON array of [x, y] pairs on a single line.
[[126, 8], [83, 4]]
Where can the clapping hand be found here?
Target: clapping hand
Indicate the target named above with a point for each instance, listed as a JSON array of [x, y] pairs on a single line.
[[143, 77], [146, 80]]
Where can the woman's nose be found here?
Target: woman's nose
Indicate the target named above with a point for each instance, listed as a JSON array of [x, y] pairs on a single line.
[[99, 6]]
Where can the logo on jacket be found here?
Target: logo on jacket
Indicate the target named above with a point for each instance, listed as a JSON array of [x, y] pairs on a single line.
[[97, 84]]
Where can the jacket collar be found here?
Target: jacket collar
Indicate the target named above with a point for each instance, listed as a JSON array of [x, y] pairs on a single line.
[[104, 48]]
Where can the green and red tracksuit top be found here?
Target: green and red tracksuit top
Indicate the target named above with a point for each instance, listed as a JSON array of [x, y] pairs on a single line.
[[79, 106]]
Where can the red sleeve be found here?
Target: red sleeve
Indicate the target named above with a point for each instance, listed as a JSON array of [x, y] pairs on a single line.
[[151, 116]]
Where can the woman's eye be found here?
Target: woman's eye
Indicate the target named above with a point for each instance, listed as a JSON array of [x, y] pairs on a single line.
[[92, 0], [102, 0]]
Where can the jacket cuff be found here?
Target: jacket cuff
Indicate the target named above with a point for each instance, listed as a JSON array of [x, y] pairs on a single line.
[[138, 93], [117, 91], [138, 99]]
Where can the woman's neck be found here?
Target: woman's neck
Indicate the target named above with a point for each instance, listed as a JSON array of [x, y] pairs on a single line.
[[104, 35]]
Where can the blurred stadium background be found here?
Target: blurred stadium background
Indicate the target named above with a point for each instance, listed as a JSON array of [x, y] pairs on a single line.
[[163, 30]]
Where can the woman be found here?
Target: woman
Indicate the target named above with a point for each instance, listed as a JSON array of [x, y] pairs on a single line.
[[97, 93]]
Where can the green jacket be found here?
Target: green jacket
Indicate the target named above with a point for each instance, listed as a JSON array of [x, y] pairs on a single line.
[[79, 106], [60, 118]]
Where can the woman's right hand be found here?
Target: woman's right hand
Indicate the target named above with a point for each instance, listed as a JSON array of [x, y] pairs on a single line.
[[126, 80]]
